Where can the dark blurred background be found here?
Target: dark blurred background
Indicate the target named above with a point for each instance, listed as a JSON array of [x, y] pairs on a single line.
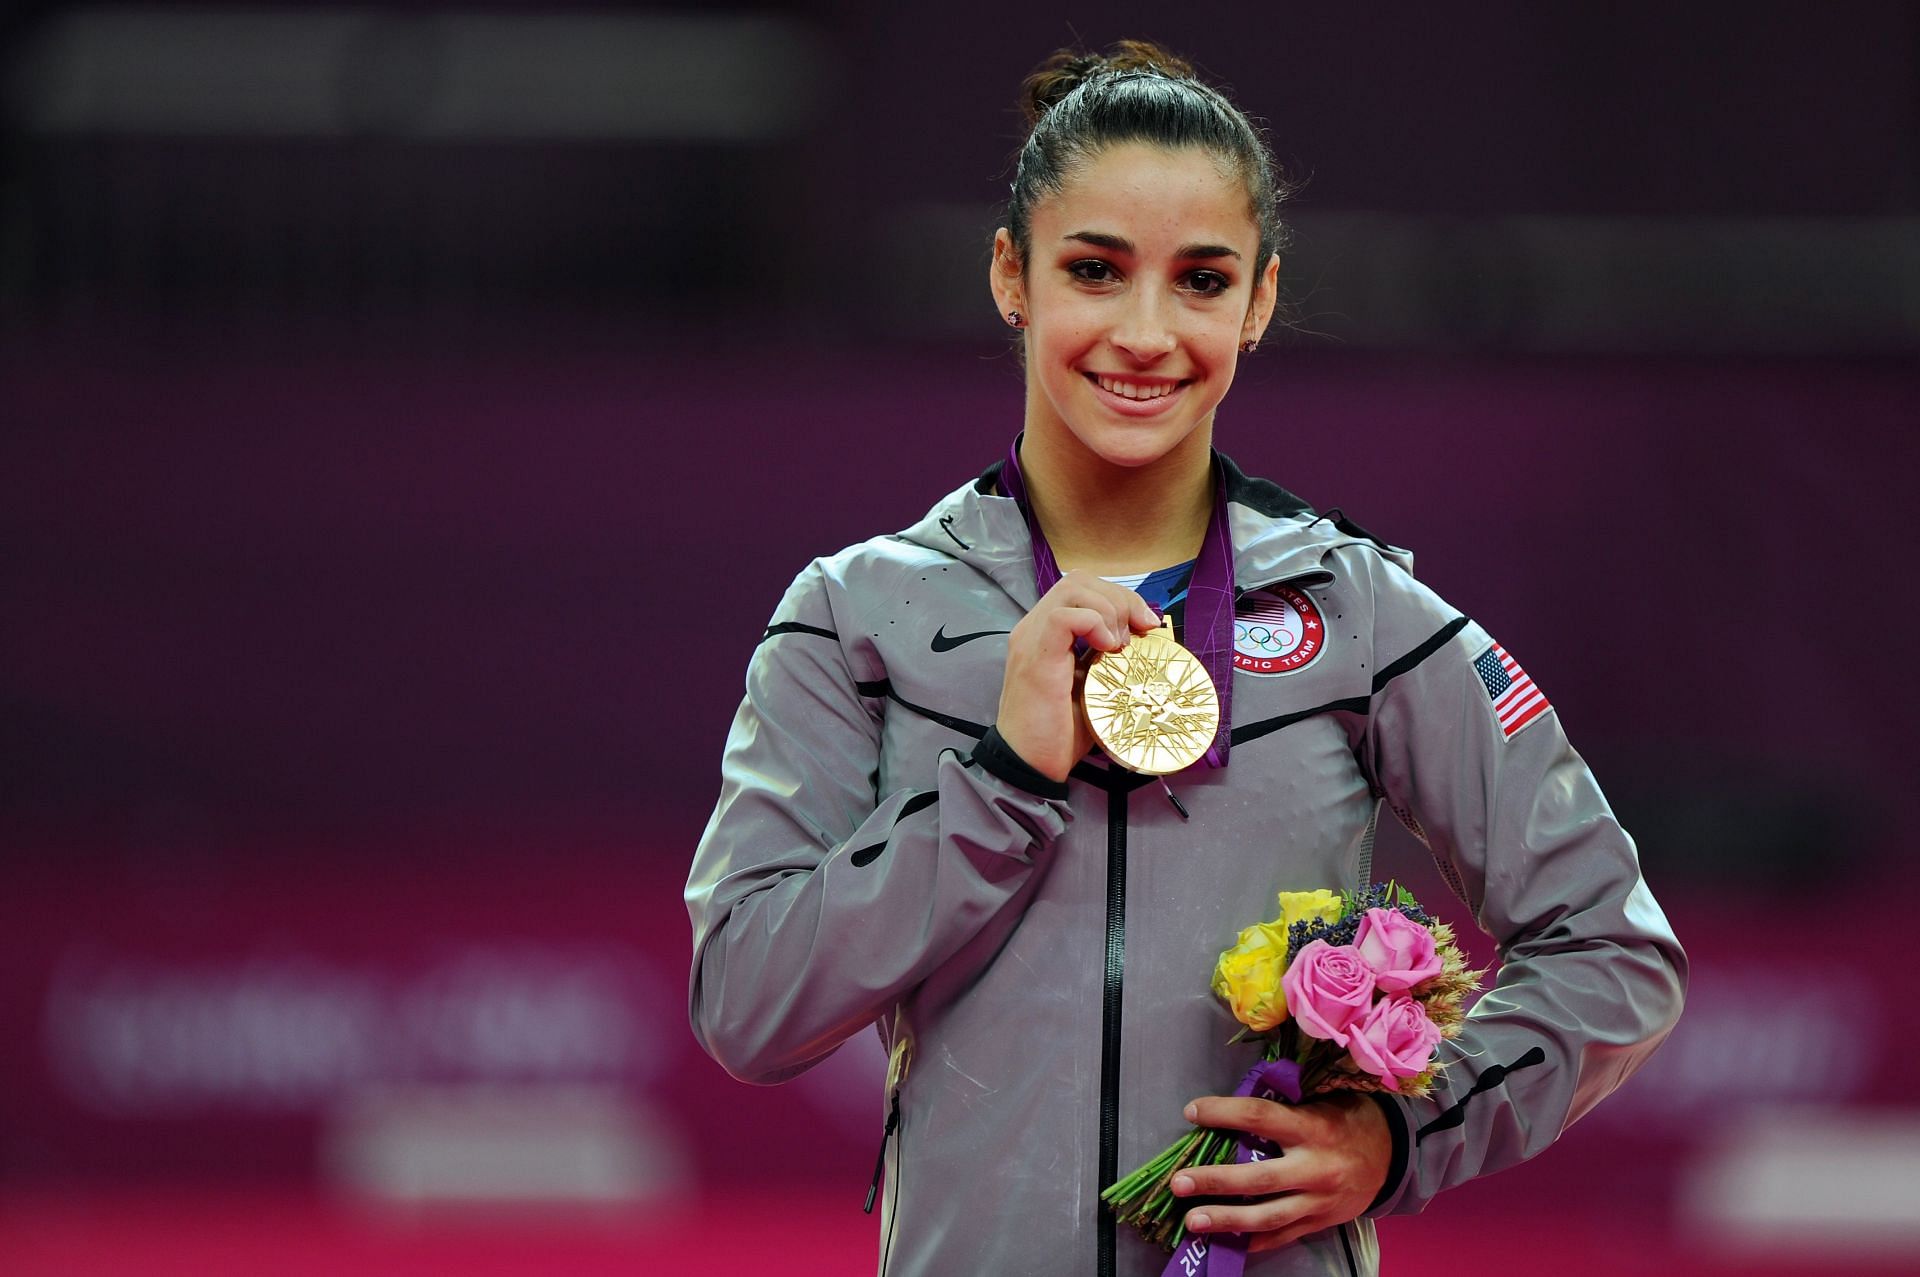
[[410, 414]]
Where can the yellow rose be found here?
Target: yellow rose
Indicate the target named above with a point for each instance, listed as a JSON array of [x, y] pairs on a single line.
[[1297, 906], [1247, 976]]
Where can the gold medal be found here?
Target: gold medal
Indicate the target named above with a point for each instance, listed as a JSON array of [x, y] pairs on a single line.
[[1151, 704]]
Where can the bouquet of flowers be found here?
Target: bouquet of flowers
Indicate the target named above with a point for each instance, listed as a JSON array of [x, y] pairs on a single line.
[[1350, 992]]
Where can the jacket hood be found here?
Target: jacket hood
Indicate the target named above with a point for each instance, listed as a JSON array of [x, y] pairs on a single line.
[[1277, 536]]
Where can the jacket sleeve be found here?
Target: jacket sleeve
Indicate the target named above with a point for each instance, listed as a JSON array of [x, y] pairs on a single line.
[[1590, 977], [816, 902]]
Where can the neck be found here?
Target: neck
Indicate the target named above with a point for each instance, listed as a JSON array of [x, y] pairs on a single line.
[[1115, 520]]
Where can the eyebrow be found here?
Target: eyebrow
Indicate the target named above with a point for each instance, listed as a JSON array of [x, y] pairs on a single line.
[[1200, 252]]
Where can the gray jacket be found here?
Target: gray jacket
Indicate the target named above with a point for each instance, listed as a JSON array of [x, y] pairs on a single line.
[[1036, 956]]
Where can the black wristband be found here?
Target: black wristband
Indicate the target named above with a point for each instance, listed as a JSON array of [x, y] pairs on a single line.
[[1402, 1147], [997, 758]]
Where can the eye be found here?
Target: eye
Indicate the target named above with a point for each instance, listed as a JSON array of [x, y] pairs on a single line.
[[1207, 283], [1092, 270]]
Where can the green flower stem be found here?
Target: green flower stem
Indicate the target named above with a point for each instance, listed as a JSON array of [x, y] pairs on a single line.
[[1138, 1192], [1159, 1168]]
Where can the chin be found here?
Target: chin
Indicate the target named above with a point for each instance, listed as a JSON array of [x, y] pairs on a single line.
[[1130, 447], [1132, 443]]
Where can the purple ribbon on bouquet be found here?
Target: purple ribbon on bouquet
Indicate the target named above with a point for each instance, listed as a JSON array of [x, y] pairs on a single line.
[[1208, 628], [1225, 1254]]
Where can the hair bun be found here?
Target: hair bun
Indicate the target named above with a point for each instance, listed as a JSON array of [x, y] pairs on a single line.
[[1067, 69]]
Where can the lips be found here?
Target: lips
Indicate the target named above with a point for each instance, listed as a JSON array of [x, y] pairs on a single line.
[[1134, 396]]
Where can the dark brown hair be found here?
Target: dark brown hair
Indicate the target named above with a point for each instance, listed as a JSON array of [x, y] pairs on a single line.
[[1078, 104]]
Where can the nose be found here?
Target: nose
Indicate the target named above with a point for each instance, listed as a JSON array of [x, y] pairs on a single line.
[[1145, 330]]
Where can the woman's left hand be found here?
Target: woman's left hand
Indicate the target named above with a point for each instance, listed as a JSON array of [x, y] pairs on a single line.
[[1336, 1151]]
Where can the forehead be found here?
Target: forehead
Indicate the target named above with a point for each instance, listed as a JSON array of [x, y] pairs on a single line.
[[1151, 195]]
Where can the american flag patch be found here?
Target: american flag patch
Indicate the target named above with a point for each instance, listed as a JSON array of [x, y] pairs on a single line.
[[1517, 701]]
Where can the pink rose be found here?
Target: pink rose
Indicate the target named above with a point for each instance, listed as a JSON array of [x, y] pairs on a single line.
[[1328, 989], [1399, 950], [1394, 1040]]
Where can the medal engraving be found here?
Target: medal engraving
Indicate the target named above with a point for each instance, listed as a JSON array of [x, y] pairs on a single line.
[[1151, 705]]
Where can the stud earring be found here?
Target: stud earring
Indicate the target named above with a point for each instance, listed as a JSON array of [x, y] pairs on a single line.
[[1250, 345], [1016, 320]]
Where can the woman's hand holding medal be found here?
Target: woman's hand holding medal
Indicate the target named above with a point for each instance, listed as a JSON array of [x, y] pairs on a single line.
[[1039, 715]]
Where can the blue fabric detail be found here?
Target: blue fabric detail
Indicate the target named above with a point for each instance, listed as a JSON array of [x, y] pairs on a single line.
[[1166, 587]]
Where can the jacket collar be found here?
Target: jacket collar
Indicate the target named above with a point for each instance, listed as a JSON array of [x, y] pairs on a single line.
[[1277, 536]]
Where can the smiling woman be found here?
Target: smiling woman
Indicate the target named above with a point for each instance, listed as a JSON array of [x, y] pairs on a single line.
[[1141, 284], [917, 832]]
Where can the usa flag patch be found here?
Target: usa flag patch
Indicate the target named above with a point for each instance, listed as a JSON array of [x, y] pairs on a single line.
[[1517, 700]]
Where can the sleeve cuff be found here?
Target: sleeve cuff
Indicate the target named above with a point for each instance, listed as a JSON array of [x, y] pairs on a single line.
[[1402, 1148], [997, 759]]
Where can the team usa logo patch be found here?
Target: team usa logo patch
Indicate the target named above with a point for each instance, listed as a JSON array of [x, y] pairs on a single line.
[[1277, 630], [1517, 699]]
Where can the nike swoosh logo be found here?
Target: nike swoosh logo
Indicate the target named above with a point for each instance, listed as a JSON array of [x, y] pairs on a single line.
[[941, 643]]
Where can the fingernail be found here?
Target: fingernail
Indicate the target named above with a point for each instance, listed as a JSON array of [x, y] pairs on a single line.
[[1198, 1222], [1190, 1112], [1183, 1184]]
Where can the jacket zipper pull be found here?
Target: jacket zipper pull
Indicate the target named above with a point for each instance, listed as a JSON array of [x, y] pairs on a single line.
[[1175, 799], [880, 1162]]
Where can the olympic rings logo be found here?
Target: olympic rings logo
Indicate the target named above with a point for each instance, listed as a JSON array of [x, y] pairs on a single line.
[[1263, 638]]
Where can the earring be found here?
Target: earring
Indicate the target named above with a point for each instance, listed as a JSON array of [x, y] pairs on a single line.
[[1250, 345], [1016, 319]]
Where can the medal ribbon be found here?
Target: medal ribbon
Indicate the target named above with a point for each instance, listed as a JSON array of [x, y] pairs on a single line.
[[1208, 628], [1225, 1254]]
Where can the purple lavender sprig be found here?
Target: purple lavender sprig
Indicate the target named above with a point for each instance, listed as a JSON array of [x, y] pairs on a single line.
[[1353, 907]]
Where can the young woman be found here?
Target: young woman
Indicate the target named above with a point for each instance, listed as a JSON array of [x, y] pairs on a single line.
[[915, 831]]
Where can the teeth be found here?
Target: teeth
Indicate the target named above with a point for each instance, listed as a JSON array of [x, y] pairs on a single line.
[[1133, 390]]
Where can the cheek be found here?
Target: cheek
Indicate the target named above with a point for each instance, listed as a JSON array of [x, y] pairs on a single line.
[[1061, 346], [1221, 340]]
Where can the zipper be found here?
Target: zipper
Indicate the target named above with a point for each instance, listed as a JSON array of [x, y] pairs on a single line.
[[873, 1189], [1175, 800], [880, 1162], [1110, 1012]]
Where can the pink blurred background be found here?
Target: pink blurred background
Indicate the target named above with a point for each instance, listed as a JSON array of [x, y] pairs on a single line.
[[409, 417]]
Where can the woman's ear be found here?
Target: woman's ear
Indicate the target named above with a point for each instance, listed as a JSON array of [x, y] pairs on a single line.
[[1266, 295], [1005, 278]]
